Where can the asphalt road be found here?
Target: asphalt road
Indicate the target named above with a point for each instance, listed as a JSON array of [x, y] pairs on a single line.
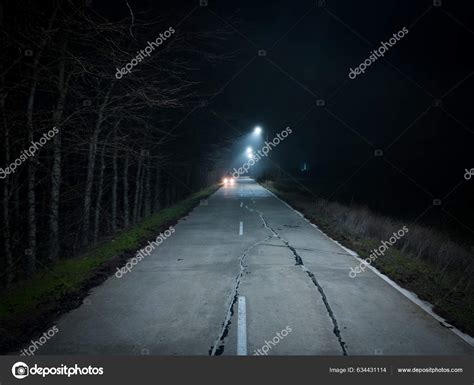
[[245, 243]]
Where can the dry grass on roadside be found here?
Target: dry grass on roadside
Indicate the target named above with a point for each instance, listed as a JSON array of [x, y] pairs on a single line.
[[420, 242], [431, 264], [359, 221]]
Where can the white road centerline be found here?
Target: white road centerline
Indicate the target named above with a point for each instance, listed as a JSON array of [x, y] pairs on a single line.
[[241, 327], [241, 229]]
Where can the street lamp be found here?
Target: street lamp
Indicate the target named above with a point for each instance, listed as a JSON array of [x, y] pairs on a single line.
[[249, 150], [257, 130]]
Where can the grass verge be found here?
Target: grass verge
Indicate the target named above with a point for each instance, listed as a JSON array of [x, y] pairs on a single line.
[[30, 307]]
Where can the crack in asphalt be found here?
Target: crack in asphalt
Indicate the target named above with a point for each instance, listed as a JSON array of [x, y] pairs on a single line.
[[219, 345], [299, 262], [319, 250]]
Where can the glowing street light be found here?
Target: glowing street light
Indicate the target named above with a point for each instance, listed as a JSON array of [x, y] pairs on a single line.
[[249, 150], [257, 130]]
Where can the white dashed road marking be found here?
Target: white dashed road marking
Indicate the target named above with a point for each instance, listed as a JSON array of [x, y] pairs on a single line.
[[242, 327]]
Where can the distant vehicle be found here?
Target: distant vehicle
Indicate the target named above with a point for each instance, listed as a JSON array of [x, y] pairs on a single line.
[[228, 180]]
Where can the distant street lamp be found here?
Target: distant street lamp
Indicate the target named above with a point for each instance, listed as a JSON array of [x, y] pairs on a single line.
[[257, 130], [249, 150]]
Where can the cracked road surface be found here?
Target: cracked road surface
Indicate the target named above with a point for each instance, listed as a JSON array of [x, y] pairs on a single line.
[[181, 300]]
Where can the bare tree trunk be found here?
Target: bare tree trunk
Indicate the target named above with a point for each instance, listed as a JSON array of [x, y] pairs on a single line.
[[156, 201], [30, 252], [100, 182], [15, 186], [88, 189], [5, 201], [56, 165], [140, 194], [189, 178], [168, 192], [126, 208], [136, 205], [174, 194], [54, 208], [203, 179], [114, 182], [147, 191], [90, 172], [143, 183]]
